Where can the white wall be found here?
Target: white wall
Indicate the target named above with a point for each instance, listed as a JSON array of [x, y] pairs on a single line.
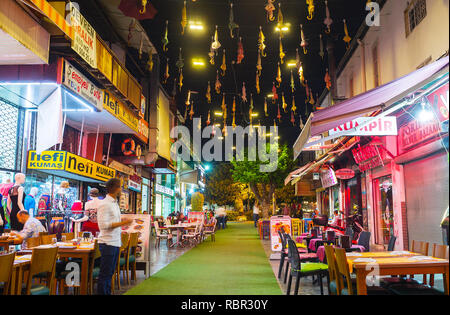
[[398, 54]]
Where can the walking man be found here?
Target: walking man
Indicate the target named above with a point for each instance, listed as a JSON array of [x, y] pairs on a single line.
[[109, 240], [256, 213]]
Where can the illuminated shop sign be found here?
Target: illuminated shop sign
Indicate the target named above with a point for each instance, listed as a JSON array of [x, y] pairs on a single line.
[[164, 190], [383, 126], [66, 161], [328, 178], [367, 157]]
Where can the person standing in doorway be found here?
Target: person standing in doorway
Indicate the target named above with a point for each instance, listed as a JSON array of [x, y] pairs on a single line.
[[256, 212], [110, 225]]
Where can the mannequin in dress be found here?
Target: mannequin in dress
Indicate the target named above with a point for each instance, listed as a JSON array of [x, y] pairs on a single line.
[[60, 202], [16, 197]]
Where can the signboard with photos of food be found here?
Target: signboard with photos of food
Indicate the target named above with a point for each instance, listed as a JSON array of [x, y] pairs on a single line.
[[279, 223], [140, 224]]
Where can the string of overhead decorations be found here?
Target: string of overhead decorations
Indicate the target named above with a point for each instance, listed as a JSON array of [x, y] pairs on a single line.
[[274, 14]]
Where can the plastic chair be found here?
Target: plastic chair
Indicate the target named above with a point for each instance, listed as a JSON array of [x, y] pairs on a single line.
[[300, 270], [6, 263], [160, 235]]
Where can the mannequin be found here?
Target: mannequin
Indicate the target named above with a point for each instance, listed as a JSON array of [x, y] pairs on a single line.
[[30, 201], [89, 219], [60, 202], [16, 197]]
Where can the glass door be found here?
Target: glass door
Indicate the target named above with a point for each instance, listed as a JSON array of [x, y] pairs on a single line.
[[384, 210]]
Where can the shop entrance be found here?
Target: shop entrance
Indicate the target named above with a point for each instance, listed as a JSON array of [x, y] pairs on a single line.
[[384, 210]]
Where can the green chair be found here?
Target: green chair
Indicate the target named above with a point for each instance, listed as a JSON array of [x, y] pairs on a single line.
[[300, 270]]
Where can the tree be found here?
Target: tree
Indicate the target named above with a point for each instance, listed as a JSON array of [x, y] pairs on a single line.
[[285, 194], [197, 201], [220, 188], [263, 184]]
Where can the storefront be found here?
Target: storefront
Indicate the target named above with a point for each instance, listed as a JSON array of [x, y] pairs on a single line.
[[164, 195], [51, 171]]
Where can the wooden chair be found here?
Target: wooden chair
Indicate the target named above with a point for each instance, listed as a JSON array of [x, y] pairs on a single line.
[[6, 269], [439, 251], [43, 260], [211, 231], [335, 282], [69, 236], [93, 270], [343, 272], [131, 263], [420, 248], [121, 261], [47, 239], [33, 242]]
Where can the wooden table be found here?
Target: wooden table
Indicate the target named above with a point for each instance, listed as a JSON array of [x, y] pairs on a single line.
[[83, 253], [180, 228], [396, 265]]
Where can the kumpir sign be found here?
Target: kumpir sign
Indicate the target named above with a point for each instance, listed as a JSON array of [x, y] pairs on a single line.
[[66, 161]]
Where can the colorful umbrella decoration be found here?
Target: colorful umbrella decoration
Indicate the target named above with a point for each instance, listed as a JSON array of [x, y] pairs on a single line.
[[223, 67], [261, 42], [142, 11], [208, 93], [258, 88], [270, 8], [232, 24], [282, 53], [310, 4], [218, 85], [240, 51], [328, 21], [279, 79], [347, 39], [183, 18], [303, 42]]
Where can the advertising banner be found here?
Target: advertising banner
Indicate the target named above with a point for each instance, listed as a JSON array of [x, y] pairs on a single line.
[[384, 126], [279, 223]]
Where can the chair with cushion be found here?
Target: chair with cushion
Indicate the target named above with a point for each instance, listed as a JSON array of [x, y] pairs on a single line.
[[134, 242], [123, 258], [334, 282], [364, 240], [300, 270], [94, 267], [6, 263], [43, 260]]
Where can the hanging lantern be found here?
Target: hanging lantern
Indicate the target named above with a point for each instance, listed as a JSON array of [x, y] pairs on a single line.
[[261, 42], [270, 8], [223, 67], [279, 78], [183, 18], [310, 4], [232, 24], [328, 21], [165, 40], [303, 43], [347, 39], [258, 89], [218, 85], [240, 51], [282, 54], [208, 93]]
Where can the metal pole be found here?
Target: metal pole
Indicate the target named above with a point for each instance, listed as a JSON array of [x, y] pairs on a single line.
[[96, 141], [109, 148], [81, 137]]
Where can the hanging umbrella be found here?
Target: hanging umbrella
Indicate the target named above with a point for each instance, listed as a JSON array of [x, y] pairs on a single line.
[[138, 9]]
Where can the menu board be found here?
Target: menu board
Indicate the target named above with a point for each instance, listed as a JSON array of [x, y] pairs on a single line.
[[279, 223], [141, 224], [195, 216]]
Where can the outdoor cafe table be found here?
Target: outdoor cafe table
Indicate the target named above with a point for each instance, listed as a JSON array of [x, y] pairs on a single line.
[[82, 252], [180, 228], [388, 264]]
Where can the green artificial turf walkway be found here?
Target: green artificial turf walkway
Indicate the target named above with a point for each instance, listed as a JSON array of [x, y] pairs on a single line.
[[233, 265]]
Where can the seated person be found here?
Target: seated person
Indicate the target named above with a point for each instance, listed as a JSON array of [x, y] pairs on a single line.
[[337, 219], [210, 221], [31, 227]]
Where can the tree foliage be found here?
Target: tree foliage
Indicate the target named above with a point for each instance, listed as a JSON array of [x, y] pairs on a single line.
[[197, 201], [263, 184], [221, 189]]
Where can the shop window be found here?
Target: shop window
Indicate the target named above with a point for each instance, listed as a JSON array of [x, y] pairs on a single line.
[[11, 121], [384, 210], [414, 14]]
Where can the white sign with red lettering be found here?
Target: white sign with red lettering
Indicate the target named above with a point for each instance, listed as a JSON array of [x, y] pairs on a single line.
[[384, 126]]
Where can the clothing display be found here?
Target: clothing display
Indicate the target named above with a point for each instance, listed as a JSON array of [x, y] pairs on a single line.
[[14, 196]]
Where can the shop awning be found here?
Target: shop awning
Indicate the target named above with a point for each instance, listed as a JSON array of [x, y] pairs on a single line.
[[368, 102], [296, 173]]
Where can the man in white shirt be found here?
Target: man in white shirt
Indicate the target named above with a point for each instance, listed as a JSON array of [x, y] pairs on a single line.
[[221, 215], [110, 225], [256, 213]]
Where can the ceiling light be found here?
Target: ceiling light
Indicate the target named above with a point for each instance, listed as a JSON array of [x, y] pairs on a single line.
[[220, 114], [198, 62], [196, 26], [255, 114], [292, 64], [269, 95]]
